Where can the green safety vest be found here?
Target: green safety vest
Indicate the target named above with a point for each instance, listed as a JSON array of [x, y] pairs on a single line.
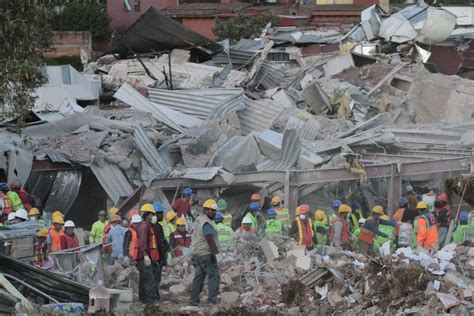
[[386, 229], [355, 245], [16, 201], [168, 230], [273, 227], [283, 215], [224, 234], [228, 220], [321, 238], [254, 221], [415, 229], [461, 232]]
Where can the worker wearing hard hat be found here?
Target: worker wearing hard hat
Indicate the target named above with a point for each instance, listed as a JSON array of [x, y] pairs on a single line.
[[411, 196], [283, 215], [443, 217], [253, 215], [22, 194], [55, 232], [272, 225], [158, 224], [222, 208], [426, 228], [34, 214], [244, 232], [224, 232], [148, 257], [204, 250], [356, 233], [17, 204], [69, 239], [6, 202], [180, 239], [106, 229], [320, 228], [370, 230], [463, 231], [21, 215], [97, 229], [170, 225], [115, 238], [302, 227], [182, 206], [40, 246], [388, 230], [255, 198], [339, 231]]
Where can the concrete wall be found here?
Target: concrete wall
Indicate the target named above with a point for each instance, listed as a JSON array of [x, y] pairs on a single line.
[[122, 19], [70, 44]]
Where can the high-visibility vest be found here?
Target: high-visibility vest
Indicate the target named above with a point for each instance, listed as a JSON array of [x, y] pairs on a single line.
[[254, 221], [227, 220], [344, 232], [273, 227], [154, 253], [181, 242], [15, 199], [224, 234], [397, 217], [427, 232], [283, 215], [108, 248], [320, 237], [133, 245], [7, 204], [168, 230], [305, 232], [386, 229], [55, 239]]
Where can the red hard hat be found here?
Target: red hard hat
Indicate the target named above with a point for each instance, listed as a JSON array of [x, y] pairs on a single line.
[[304, 208], [131, 213], [443, 197]]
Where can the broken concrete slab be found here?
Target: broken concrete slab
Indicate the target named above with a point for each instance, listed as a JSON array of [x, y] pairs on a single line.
[[230, 298], [335, 300], [303, 263], [297, 251], [269, 249], [448, 300]]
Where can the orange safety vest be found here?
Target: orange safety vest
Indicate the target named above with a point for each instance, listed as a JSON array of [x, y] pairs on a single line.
[[133, 246], [55, 239], [107, 227], [153, 245], [7, 204], [397, 217], [344, 233], [366, 236], [427, 233], [305, 234]]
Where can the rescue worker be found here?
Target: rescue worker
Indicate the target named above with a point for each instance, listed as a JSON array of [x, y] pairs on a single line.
[[272, 225], [411, 196], [227, 217], [355, 214], [398, 215], [463, 231], [40, 247], [204, 250], [387, 230], [255, 198], [182, 206], [34, 214], [224, 232], [320, 228], [335, 205], [244, 232], [170, 226], [302, 228], [370, 229], [283, 215], [69, 239], [15, 199], [55, 232], [95, 236], [426, 228], [24, 197], [115, 238], [339, 231], [20, 216], [6, 202], [180, 239], [149, 257], [356, 233], [158, 220], [443, 217], [105, 231], [253, 210]]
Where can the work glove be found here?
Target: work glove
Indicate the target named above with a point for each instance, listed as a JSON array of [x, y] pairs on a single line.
[[213, 259], [147, 261]]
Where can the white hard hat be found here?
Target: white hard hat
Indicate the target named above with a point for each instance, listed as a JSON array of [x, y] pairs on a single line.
[[409, 188], [246, 220], [11, 216], [21, 213], [361, 220], [69, 224], [136, 219]]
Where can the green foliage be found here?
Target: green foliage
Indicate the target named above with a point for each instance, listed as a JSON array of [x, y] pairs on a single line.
[[83, 16], [243, 26], [74, 61], [25, 37]]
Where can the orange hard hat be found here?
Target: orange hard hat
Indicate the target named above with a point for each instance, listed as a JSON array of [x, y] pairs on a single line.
[[114, 218], [131, 213], [304, 208], [255, 197], [443, 197]]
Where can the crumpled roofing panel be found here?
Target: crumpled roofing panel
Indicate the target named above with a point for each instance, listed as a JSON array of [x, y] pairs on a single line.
[[112, 179], [159, 163], [64, 191], [290, 151], [259, 115]]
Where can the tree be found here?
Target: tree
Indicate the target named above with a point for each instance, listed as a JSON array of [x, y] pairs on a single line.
[[25, 37], [243, 26]]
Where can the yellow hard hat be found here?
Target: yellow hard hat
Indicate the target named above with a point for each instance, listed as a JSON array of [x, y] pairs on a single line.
[[421, 205], [43, 232], [344, 208], [319, 215], [58, 218], [378, 210], [147, 208], [113, 210], [276, 200], [181, 221], [33, 211], [170, 215], [385, 218], [56, 213], [212, 204]]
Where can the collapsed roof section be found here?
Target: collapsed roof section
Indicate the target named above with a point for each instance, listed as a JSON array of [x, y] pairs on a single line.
[[154, 33]]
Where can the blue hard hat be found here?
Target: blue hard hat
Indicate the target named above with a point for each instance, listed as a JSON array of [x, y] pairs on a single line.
[[3, 186], [187, 192], [219, 217], [254, 206], [463, 216], [336, 204], [159, 208], [271, 212], [403, 201]]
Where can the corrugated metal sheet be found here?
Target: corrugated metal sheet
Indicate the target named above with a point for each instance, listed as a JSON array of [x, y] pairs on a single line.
[[327, 145], [154, 32], [217, 156], [238, 57], [64, 191], [259, 115], [203, 174], [290, 151], [374, 122], [155, 159], [112, 179], [202, 103]]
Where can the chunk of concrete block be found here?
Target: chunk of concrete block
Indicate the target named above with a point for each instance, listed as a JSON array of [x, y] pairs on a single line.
[[230, 298], [269, 249], [335, 299], [303, 263], [470, 253], [297, 251], [178, 289], [448, 300]]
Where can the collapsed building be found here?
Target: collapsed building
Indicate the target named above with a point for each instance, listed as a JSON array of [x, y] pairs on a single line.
[[308, 115]]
